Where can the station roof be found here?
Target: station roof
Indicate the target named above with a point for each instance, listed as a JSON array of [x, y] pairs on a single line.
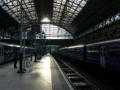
[[76, 16], [6, 20]]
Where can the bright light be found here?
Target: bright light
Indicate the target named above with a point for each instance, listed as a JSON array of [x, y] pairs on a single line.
[[77, 46], [45, 20], [46, 72]]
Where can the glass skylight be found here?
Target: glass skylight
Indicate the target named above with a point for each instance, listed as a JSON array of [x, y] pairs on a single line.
[[50, 31], [65, 11], [13, 9]]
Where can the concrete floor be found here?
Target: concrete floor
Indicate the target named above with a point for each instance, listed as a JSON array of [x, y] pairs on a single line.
[[43, 75]]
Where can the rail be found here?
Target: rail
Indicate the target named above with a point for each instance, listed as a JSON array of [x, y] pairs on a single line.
[[77, 80]]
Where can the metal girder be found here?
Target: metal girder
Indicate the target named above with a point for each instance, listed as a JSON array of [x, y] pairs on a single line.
[[44, 8], [94, 13], [6, 20], [41, 42]]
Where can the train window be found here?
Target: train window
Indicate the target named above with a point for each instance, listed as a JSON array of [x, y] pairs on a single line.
[[8, 51], [114, 51], [93, 52]]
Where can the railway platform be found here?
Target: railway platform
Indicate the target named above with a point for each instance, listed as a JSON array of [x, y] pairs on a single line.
[[42, 75]]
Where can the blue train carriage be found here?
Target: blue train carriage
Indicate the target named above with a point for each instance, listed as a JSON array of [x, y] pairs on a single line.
[[74, 52], [106, 54], [5, 52], [77, 52], [8, 51], [93, 54], [62, 51], [112, 55]]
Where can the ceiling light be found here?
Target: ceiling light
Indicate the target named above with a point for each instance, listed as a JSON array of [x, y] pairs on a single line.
[[45, 20]]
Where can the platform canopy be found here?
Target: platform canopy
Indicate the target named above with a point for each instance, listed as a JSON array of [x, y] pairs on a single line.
[[75, 16]]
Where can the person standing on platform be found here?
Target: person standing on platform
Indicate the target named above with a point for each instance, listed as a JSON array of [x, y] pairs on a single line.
[[15, 58], [35, 56]]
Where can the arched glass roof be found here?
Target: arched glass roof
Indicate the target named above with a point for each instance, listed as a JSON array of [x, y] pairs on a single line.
[[65, 11], [13, 8], [50, 31]]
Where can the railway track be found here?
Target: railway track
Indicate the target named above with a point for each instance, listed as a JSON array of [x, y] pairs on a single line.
[[77, 80]]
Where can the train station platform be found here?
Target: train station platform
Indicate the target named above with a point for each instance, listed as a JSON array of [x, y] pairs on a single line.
[[43, 75]]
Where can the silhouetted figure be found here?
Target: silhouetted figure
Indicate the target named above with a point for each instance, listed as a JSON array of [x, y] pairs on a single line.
[[15, 58], [35, 56]]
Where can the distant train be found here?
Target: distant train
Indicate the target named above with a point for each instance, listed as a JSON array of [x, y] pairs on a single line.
[[104, 54], [7, 51]]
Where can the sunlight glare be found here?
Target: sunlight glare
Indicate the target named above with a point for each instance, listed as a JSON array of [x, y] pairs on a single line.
[[46, 64], [45, 19]]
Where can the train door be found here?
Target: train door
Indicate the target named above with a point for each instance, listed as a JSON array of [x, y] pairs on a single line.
[[1, 55], [102, 57]]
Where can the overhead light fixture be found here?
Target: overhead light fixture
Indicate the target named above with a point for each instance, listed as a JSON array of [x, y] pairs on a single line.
[[45, 19]]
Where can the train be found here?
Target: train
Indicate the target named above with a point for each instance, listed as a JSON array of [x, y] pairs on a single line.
[[104, 54], [7, 51]]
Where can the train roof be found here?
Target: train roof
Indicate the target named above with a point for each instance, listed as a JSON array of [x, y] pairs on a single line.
[[104, 42], [13, 45], [76, 46]]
